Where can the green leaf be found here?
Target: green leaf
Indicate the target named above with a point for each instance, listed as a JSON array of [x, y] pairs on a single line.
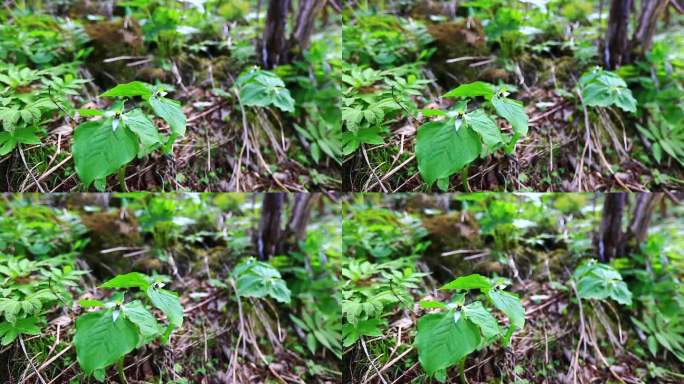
[[481, 123], [473, 281], [352, 140], [510, 305], [601, 281], [100, 341], [168, 303], [442, 150], [25, 326], [135, 88], [100, 151], [480, 316], [171, 112], [259, 279], [442, 343], [512, 111], [89, 303], [136, 312], [263, 88], [431, 304], [353, 332], [139, 124], [602, 88], [477, 88], [128, 280], [9, 140]]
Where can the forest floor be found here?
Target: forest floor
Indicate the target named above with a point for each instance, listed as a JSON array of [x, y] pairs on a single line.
[[401, 250], [80, 49], [417, 51], [195, 245]]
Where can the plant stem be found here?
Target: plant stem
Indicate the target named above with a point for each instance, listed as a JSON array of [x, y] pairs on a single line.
[[122, 179], [464, 179], [461, 371], [120, 367]]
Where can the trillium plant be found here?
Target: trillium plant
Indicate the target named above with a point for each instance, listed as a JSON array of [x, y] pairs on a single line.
[[466, 323], [467, 131], [104, 337], [116, 136]]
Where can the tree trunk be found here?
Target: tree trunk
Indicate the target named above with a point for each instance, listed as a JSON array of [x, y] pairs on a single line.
[[269, 234], [609, 241], [641, 218], [306, 18], [299, 218], [616, 47], [274, 47], [651, 10]]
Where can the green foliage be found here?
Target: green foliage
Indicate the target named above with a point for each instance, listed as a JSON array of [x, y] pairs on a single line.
[[317, 93], [601, 88], [373, 99], [30, 288], [103, 146], [372, 291], [445, 338], [106, 336], [260, 88], [658, 83], [447, 146], [29, 98], [259, 279], [384, 41], [599, 281]]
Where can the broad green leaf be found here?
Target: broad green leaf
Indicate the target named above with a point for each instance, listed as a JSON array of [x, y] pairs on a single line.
[[100, 341], [168, 303], [25, 326], [9, 140], [88, 112], [601, 88], [477, 88], [352, 332], [442, 343], [473, 281], [480, 316], [259, 279], [128, 280], [481, 123], [263, 88], [512, 111], [136, 312], [142, 126], [100, 151], [352, 140], [442, 150], [431, 304], [135, 88], [510, 305], [601, 281], [89, 303], [171, 112]]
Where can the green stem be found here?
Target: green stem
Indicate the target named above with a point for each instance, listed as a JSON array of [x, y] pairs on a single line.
[[122, 376], [122, 179], [461, 371], [464, 179]]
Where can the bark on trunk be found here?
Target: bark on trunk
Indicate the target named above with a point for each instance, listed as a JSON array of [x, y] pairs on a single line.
[[609, 241], [299, 218], [651, 10], [616, 47], [274, 46], [269, 234], [306, 18], [641, 218]]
